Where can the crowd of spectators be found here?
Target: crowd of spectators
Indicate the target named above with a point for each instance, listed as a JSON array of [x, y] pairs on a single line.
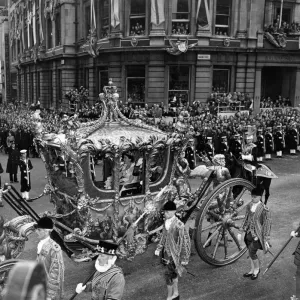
[[279, 102], [285, 27]]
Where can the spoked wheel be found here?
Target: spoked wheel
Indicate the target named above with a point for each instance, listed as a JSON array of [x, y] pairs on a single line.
[[218, 220]]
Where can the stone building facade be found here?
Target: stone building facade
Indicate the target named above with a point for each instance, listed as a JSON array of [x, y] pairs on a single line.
[[154, 50]]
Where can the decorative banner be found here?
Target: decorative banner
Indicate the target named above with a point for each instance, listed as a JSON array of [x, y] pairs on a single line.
[[41, 23], [33, 24], [7, 68], [115, 13], [206, 12], [157, 11], [93, 16], [28, 27]]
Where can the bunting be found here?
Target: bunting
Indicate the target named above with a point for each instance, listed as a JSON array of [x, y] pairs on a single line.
[[41, 23], [115, 13], [33, 24], [157, 11], [207, 12], [93, 16]]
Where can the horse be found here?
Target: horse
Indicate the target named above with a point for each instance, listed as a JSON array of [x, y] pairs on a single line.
[[261, 179]]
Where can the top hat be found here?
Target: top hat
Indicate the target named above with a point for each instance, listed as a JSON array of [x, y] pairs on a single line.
[[107, 247], [44, 223], [169, 205]]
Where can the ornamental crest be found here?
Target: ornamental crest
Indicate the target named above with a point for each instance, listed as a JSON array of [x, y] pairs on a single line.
[[134, 42], [179, 47], [226, 42], [90, 46]]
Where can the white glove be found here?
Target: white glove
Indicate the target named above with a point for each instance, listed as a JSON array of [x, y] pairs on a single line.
[[157, 252], [239, 237], [80, 288], [267, 246], [294, 233]]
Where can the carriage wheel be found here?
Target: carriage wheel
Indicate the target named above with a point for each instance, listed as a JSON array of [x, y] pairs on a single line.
[[218, 220], [5, 268]]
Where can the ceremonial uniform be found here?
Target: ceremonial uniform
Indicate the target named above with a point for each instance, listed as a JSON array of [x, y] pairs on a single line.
[[279, 142], [224, 148], [260, 144], [12, 163], [293, 140], [236, 148], [49, 254], [108, 281], [209, 148], [269, 142], [107, 285], [25, 167]]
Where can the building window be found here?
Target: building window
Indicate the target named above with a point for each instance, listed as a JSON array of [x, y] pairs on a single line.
[[87, 12], [222, 17], [221, 77], [102, 78], [86, 78], [49, 33], [50, 88], [57, 30], [181, 17], [59, 87], [104, 10], [179, 85], [20, 87], [135, 84], [31, 96], [25, 35], [286, 16], [25, 88], [137, 17]]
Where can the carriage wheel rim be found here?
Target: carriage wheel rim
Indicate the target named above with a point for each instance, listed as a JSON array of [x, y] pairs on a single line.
[[225, 222]]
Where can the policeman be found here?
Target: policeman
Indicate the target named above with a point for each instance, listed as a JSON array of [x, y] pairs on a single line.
[[236, 147], [279, 141], [293, 139], [260, 143], [269, 143]]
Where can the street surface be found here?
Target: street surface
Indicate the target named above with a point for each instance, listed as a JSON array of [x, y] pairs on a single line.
[[144, 276]]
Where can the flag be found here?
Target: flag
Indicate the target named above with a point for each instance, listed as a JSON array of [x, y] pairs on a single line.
[[157, 11], [115, 13], [93, 16], [41, 23], [33, 24]]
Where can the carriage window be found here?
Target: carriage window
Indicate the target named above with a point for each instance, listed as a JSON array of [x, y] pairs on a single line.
[[132, 173], [158, 165], [101, 168]]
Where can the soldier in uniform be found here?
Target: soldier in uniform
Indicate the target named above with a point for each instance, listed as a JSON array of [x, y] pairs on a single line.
[[260, 144], [293, 139], [279, 141], [224, 147], [175, 244], [296, 233], [25, 167], [257, 227], [13, 162], [108, 282], [49, 254], [209, 148], [236, 146], [190, 154], [269, 142]]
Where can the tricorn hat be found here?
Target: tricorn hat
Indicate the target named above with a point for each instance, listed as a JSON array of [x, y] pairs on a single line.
[[44, 223], [107, 247], [169, 205]]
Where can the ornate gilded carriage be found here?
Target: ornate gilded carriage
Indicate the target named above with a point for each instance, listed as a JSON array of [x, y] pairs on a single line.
[[102, 174]]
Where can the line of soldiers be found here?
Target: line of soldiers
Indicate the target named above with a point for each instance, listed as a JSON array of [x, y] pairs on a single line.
[[267, 143]]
